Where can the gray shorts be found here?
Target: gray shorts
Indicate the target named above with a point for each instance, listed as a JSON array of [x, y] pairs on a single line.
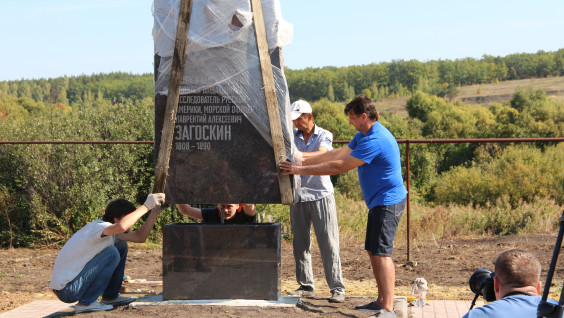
[[381, 228]]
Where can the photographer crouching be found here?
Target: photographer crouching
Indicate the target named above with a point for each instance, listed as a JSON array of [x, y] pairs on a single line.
[[516, 284]]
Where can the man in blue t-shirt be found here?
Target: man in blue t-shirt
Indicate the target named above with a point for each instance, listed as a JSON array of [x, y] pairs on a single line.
[[375, 152], [517, 286]]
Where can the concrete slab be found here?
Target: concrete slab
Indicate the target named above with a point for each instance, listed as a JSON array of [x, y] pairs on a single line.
[[40, 308], [153, 300]]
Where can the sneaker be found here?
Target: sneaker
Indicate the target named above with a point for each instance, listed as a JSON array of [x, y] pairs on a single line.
[[118, 301], [336, 297], [95, 306], [384, 314], [303, 292], [373, 306]]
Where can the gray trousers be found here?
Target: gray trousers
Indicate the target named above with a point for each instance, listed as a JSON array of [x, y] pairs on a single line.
[[323, 215]]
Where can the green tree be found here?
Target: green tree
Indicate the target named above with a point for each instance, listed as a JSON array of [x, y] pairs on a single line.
[[421, 104], [330, 93], [526, 99]]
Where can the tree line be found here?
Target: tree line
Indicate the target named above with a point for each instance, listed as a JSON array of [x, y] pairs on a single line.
[[74, 90], [377, 80], [437, 77]]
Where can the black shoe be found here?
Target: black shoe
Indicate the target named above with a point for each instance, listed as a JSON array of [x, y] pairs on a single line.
[[303, 292], [373, 306]]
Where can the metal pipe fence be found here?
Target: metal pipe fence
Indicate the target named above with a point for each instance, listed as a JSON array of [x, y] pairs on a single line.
[[407, 142]]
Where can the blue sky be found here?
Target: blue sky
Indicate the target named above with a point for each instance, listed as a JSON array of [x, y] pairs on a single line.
[[53, 38]]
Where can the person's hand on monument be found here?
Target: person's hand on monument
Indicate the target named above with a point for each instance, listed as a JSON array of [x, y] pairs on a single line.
[[289, 167], [154, 199]]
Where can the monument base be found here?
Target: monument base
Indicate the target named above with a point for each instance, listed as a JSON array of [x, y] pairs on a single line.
[[220, 261]]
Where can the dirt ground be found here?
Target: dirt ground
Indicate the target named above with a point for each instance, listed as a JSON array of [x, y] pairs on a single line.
[[445, 264]]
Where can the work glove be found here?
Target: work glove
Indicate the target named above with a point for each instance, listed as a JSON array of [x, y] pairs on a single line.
[[154, 199]]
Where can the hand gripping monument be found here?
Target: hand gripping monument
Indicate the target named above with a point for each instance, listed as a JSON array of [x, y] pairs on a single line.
[[231, 128]]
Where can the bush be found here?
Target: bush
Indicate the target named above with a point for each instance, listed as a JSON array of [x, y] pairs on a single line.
[[57, 189], [421, 104], [520, 173]]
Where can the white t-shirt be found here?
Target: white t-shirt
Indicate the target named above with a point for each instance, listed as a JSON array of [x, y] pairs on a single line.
[[78, 251]]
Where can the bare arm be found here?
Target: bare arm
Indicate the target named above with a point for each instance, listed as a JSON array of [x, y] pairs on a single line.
[[320, 150], [140, 235], [249, 209], [335, 166], [189, 211], [126, 222], [335, 154]]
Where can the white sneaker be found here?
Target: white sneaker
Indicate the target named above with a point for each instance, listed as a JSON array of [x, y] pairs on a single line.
[[118, 301], [384, 314], [95, 306]]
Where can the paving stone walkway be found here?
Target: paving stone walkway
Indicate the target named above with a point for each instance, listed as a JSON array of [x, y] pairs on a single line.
[[434, 309], [442, 309]]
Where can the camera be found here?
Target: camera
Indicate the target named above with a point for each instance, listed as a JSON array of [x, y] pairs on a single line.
[[482, 284]]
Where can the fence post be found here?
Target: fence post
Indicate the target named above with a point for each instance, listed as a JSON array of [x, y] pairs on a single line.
[[408, 205]]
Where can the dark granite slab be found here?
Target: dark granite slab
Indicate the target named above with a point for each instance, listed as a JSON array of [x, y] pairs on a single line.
[[219, 261], [217, 155]]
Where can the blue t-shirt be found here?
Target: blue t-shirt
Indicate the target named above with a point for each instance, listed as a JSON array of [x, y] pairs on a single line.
[[509, 307], [380, 177]]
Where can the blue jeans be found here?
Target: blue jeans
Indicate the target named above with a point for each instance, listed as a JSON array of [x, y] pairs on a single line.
[[103, 275]]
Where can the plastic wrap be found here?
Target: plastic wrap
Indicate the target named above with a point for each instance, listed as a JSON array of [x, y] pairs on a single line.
[[222, 55]]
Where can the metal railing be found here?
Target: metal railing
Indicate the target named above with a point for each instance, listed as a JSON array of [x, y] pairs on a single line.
[[407, 142]]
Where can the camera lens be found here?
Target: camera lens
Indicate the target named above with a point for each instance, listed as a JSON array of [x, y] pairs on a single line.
[[481, 283]]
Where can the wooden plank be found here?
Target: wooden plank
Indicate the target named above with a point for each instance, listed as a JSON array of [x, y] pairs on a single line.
[[163, 159], [286, 191]]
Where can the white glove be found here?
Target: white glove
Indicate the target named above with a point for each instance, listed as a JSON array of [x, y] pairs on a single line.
[[154, 199]]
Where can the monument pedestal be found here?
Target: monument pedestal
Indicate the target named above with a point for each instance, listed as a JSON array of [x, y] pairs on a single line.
[[220, 261]]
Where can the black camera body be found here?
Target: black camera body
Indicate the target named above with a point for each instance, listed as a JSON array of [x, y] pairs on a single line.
[[482, 284]]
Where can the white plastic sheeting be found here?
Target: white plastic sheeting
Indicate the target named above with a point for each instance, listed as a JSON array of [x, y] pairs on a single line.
[[222, 54]]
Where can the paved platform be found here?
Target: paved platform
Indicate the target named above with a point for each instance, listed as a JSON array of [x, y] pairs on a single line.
[[40, 308], [443, 309], [46, 308]]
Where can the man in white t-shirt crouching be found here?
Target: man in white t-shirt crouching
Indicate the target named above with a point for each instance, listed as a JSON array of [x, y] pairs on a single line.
[[92, 262]]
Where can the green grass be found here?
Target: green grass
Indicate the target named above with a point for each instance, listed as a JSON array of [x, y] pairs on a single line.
[[437, 222]]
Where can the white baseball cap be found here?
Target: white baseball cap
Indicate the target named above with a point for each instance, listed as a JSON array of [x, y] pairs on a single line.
[[300, 107]]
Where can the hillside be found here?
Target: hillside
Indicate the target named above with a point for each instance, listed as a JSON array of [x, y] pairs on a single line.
[[490, 93]]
